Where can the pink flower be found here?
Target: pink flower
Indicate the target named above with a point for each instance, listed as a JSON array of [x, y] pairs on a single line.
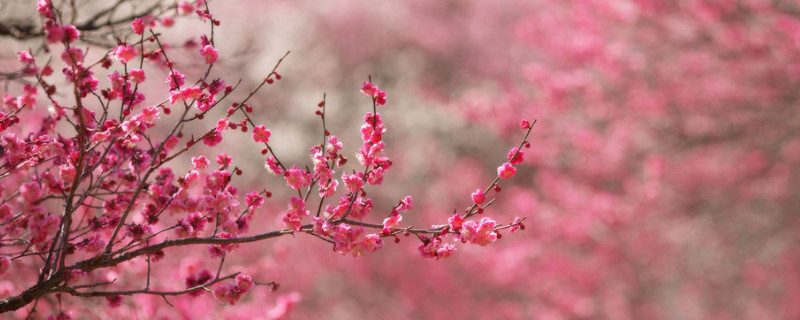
[[261, 134], [371, 243], [406, 204], [200, 162], [353, 182], [478, 197], [25, 57], [70, 33], [212, 139], [272, 166], [506, 171], [224, 159], [455, 222], [333, 146], [518, 158], [197, 279], [372, 91], [191, 225], [481, 234], [368, 89], [327, 190], [190, 177], [380, 98], [185, 7], [67, 173], [43, 6], [137, 75], [184, 94], [253, 200], [58, 33], [53, 32], [230, 292], [209, 53], [222, 124], [30, 192], [175, 80], [296, 178], [124, 53], [524, 124], [138, 25], [294, 216], [218, 250], [434, 248], [167, 21], [72, 56], [392, 222]]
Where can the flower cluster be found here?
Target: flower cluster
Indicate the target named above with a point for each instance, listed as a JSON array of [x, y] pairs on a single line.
[[115, 180], [232, 292]]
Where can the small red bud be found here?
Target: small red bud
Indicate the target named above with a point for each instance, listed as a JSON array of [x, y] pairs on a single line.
[[327, 133], [200, 116], [270, 81], [319, 113], [167, 110], [321, 104], [497, 189], [264, 151], [277, 76], [269, 194]]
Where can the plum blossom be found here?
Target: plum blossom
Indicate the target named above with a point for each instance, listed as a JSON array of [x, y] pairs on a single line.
[[124, 53], [478, 197], [209, 54], [261, 134], [479, 233], [506, 171], [272, 166], [232, 292], [137, 75], [297, 210], [138, 25], [515, 156], [297, 178], [175, 80], [353, 182], [434, 248]]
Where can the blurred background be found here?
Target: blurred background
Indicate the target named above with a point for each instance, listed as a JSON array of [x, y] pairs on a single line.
[[661, 182]]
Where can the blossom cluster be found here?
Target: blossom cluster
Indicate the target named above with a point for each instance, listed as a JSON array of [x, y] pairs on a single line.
[[121, 184]]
